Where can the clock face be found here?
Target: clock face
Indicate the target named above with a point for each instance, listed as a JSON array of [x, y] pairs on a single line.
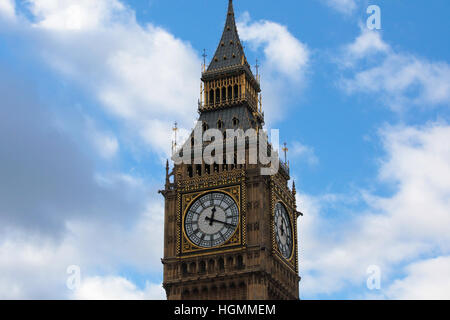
[[283, 230], [211, 220]]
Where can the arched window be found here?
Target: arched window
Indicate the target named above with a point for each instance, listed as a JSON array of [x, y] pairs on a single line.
[[195, 294], [205, 126], [236, 91], [219, 124], [211, 96], [204, 293], [235, 122], [224, 94], [202, 267], [242, 291], [230, 93], [217, 95], [230, 263], [214, 292], [240, 262], [221, 264], [232, 291], [185, 295], [184, 269], [211, 265], [222, 291]]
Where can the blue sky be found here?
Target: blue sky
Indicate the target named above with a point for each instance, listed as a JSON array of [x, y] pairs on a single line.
[[90, 90]]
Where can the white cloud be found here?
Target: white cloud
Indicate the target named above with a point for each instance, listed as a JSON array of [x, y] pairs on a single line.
[[391, 231], [400, 80], [76, 15], [301, 151], [7, 9], [284, 53], [109, 243], [56, 210], [34, 267], [117, 288], [141, 75], [286, 61], [427, 279], [366, 44], [343, 6], [105, 143]]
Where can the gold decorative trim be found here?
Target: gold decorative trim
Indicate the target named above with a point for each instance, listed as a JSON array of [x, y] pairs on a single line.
[[280, 194], [289, 211], [178, 249], [237, 193], [211, 181], [210, 252], [244, 211]]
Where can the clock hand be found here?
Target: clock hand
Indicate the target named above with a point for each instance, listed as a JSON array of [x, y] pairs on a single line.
[[213, 211], [282, 230], [223, 222]]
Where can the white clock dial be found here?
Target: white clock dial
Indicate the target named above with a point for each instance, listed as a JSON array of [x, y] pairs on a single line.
[[283, 230], [211, 220]]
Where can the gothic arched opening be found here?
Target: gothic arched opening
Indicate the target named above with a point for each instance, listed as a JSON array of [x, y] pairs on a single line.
[[211, 96], [217, 95], [224, 94], [202, 267], [221, 264]]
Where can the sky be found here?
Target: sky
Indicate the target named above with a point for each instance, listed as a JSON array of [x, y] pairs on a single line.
[[90, 90]]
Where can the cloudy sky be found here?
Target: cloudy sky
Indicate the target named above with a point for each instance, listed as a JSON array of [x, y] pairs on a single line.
[[89, 90]]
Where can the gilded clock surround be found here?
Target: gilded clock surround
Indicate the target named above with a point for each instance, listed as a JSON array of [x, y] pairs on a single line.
[[280, 194], [291, 218], [189, 248]]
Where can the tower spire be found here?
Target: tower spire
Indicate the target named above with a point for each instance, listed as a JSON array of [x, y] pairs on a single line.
[[230, 51], [230, 7]]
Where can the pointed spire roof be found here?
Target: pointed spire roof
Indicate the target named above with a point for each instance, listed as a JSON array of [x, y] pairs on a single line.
[[230, 52]]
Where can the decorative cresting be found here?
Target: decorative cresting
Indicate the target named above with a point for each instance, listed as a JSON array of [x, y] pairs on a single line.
[[229, 81]]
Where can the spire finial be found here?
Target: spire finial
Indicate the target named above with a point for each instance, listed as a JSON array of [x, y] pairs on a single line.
[[204, 55], [285, 149], [229, 52], [174, 143], [167, 173], [230, 7], [293, 188]]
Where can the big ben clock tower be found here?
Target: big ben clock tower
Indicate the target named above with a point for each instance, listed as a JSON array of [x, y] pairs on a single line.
[[230, 232]]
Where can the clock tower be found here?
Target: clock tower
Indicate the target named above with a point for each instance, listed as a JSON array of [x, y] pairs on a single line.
[[230, 232]]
